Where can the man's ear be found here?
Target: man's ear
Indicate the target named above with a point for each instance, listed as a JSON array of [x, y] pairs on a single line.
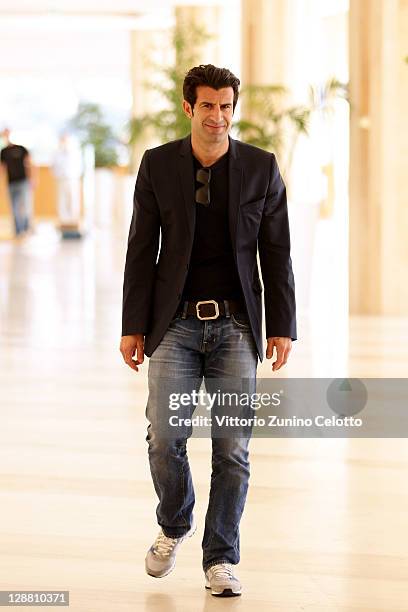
[[187, 109]]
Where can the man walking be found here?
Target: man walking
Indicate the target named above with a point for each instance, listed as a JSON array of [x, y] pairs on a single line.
[[195, 306], [16, 161]]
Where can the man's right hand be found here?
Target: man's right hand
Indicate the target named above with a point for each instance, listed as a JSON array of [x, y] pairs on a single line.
[[131, 346]]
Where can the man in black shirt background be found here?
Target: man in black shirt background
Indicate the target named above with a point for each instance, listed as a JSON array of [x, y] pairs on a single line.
[[16, 162], [194, 306]]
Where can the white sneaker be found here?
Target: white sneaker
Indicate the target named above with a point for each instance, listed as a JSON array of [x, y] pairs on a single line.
[[161, 556], [221, 580]]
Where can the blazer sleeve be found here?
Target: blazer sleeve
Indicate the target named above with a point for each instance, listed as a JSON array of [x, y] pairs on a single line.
[[142, 249], [275, 260]]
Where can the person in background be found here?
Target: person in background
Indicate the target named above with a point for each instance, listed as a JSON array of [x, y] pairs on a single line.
[[16, 163], [67, 168]]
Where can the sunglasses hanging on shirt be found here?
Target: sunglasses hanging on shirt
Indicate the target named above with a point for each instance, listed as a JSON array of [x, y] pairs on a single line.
[[202, 194]]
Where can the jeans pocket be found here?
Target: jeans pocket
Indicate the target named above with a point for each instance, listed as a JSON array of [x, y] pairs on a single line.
[[241, 320], [180, 325]]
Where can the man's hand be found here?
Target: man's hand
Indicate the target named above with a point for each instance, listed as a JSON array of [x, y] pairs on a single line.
[[131, 346], [283, 347]]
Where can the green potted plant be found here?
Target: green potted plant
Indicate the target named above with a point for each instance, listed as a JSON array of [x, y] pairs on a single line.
[[273, 125], [93, 130], [170, 122]]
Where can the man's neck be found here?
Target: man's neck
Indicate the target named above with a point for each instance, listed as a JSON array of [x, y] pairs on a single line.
[[208, 154]]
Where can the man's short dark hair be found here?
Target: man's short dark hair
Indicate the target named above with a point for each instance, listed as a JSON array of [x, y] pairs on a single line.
[[211, 76]]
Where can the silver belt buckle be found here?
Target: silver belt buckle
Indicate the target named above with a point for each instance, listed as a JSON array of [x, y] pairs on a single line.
[[217, 310]]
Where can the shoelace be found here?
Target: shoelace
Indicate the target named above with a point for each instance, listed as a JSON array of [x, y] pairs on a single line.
[[223, 570], [163, 545]]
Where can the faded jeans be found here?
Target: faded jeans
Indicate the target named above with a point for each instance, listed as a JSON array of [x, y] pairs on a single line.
[[20, 204], [192, 350]]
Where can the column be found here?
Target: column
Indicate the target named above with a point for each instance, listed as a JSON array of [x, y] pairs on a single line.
[[378, 126], [142, 43]]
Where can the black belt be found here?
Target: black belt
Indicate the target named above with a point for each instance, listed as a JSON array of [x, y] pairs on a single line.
[[210, 309]]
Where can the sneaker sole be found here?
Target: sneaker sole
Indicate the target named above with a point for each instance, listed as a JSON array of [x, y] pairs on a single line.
[[224, 593], [188, 535], [161, 575]]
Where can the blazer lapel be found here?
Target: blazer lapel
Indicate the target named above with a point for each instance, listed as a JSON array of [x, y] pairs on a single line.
[[234, 190], [186, 175]]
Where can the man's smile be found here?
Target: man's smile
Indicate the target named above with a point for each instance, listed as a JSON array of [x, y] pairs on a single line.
[[214, 127]]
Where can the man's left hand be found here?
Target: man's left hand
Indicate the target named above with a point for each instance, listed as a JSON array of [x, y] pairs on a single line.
[[283, 347]]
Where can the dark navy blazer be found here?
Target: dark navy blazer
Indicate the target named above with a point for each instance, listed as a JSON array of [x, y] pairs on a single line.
[[162, 231]]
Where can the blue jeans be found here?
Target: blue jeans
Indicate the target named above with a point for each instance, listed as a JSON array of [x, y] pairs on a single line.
[[190, 351], [19, 195]]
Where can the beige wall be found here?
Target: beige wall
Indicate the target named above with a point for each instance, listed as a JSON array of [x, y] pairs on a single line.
[[265, 31], [45, 193]]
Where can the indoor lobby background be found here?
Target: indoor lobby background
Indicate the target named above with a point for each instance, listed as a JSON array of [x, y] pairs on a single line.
[[325, 524]]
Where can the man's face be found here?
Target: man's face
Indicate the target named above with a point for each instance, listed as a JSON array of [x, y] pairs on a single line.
[[211, 117]]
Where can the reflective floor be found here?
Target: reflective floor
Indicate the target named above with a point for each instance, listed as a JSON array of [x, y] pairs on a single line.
[[324, 528]]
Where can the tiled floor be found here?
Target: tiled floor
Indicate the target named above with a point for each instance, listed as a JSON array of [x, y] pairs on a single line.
[[325, 525]]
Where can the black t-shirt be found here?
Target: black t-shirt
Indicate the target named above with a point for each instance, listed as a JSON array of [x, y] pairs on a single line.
[[13, 157], [212, 271]]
